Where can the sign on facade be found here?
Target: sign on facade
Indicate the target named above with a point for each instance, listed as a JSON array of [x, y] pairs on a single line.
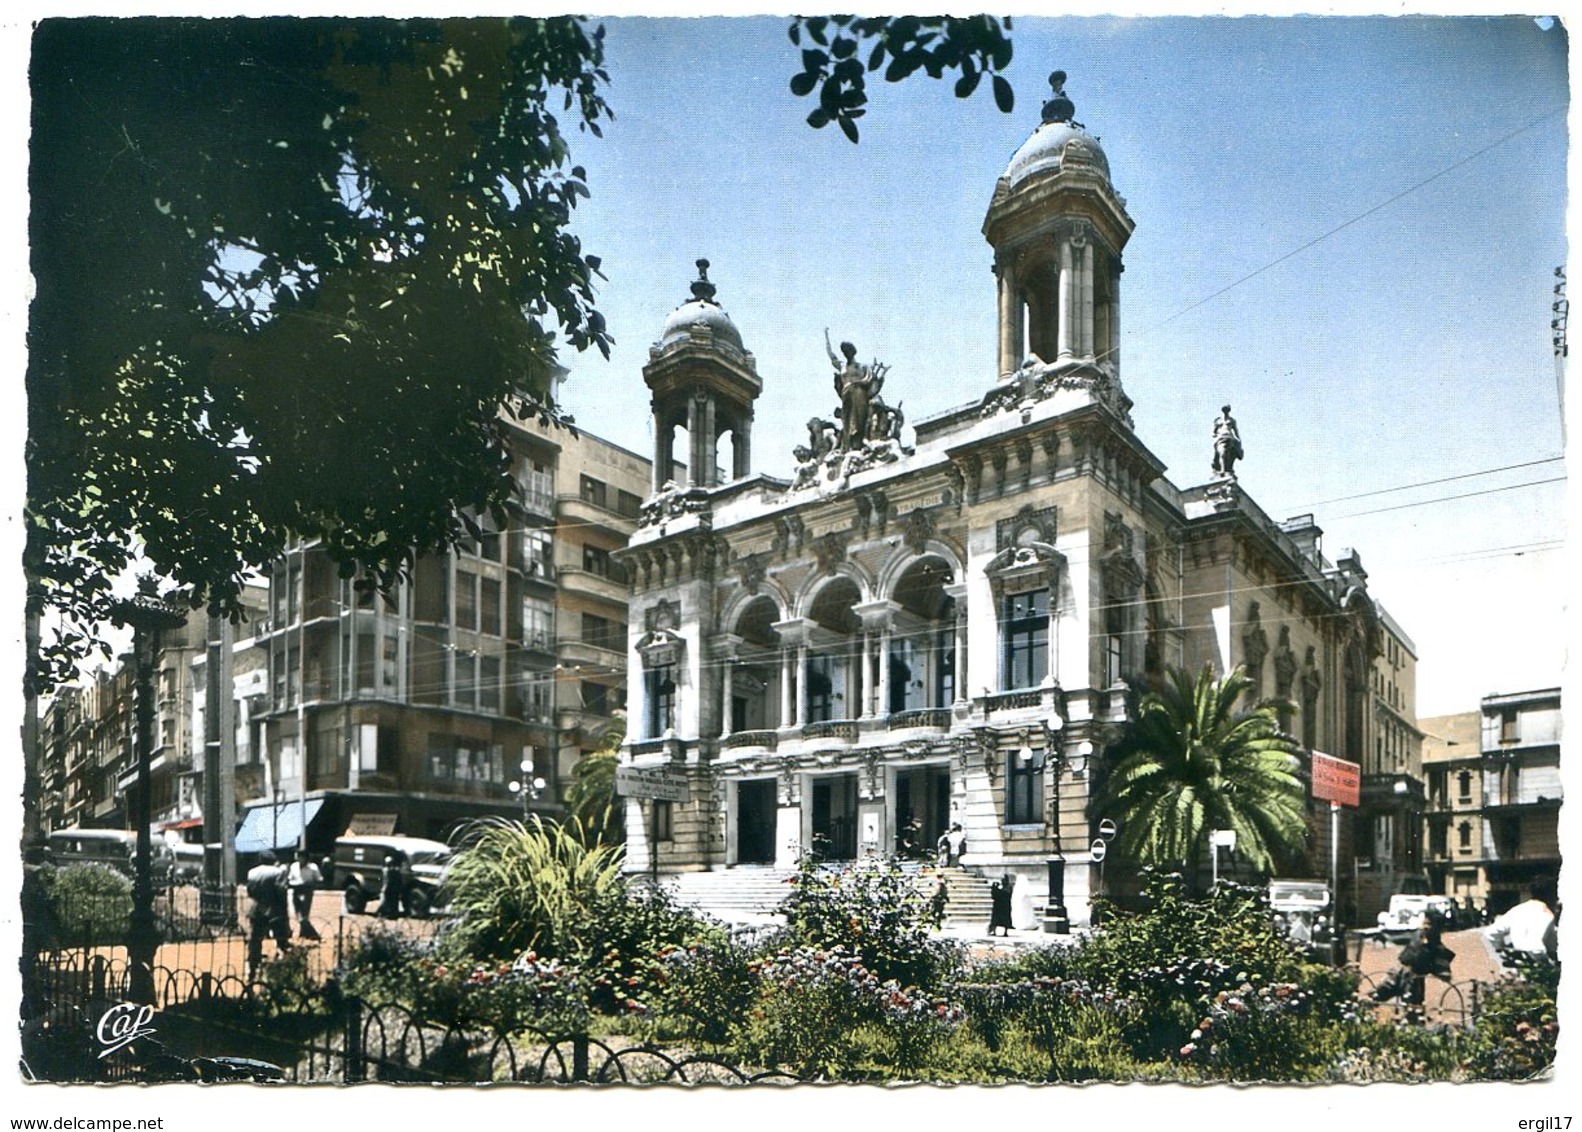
[[1336, 780], [647, 782]]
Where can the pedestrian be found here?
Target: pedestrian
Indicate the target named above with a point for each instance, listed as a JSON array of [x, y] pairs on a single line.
[[1425, 954], [390, 888], [952, 844], [1000, 904], [304, 878], [266, 888]]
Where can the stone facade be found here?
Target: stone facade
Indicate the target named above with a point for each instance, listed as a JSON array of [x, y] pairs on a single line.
[[903, 637]]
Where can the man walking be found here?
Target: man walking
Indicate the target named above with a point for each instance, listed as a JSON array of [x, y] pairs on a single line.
[[266, 888], [304, 879]]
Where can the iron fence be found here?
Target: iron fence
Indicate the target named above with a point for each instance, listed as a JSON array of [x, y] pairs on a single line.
[[208, 1026]]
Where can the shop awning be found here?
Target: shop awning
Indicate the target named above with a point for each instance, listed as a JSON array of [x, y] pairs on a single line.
[[275, 826]]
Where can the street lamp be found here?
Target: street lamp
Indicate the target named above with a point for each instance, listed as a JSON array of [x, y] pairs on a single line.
[[148, 615], [529, 788]]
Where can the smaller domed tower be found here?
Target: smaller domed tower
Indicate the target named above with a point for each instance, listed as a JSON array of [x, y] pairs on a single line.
[[1058, 227], [703, 380]]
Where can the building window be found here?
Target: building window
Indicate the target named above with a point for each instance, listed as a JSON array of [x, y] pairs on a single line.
[[1024, 629], [1464, 836], [537, 553], [489, 605], [451, 759], [627, 505], [595, 697], [597, 560], [660, 692], [538, 486], [824, 698], [538, 696], [594, 491], [602, 632], [1024, 790], [489, 684], [1508, 729], [466, 600], [1464, 781], [538, 623]]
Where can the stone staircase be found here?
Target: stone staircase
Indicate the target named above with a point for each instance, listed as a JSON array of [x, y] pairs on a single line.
[[749, 894]]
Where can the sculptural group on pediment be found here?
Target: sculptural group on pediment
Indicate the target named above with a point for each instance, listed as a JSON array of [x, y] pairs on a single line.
[[866, 431]]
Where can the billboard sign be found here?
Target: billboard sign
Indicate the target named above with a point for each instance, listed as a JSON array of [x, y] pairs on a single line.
[[1336, 780]]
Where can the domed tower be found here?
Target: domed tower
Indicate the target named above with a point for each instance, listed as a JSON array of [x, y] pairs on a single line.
[[703, 380], [1057, 227]]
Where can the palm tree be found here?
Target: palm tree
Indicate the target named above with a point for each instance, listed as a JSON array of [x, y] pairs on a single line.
[[1192, 763]]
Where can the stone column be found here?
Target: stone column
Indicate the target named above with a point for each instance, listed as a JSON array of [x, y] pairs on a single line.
[[801, 683], [884, 669], [1064, 301], [742, 439], [711, 439], [1085, 322], [786, 662], [865, 667], [729, 694], [958, 593], [694, 430], [1010, 318], [664, 441]]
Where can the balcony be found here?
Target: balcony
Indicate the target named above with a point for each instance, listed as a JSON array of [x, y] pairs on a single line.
[[575, 579], [935, 718], [1026, 699], [590, 516], [846, 729], [764, 739], [597, 656]]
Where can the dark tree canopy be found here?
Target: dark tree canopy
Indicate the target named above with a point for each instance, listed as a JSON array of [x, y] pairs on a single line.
[[838, 53], [288, 271]]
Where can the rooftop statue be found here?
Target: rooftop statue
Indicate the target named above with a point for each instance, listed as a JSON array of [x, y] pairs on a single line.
[[1227, 445], [858, 387]]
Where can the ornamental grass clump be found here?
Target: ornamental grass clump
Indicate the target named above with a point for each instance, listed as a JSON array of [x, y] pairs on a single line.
[[519, 886]]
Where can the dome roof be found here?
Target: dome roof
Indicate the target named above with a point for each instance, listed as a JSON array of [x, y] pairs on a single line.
[[1051, 146], [1059, 139], [702, 310]]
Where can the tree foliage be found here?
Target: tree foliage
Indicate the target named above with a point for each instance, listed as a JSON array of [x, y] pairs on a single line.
[[838, 52], [1192, 763], [288, 272]]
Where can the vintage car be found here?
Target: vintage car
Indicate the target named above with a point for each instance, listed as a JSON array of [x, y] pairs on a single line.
[[358, 866], [110, 848], [1405, 913], [1301, 908]]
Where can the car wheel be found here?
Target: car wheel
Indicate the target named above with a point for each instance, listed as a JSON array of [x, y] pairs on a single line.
[[418, 903], [356, 899]]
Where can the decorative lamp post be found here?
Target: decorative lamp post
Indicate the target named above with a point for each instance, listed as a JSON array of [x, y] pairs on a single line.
[[529, 788], [148, 615]]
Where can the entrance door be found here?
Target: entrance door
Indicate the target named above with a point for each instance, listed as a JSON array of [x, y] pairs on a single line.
[[922, 809], [755, 822], [835, 817]]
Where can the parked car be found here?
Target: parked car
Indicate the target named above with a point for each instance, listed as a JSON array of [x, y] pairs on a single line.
[[1406, 911], [359, 862], [111, 848], [1301, 908], [187, 862]]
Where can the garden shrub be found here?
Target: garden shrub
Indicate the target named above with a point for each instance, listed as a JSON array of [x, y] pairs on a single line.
[[875, 910], [387, 967], [1514, 1035], [711, 986], [541, 994], [80, 906], [810, 1006], [625, 948]]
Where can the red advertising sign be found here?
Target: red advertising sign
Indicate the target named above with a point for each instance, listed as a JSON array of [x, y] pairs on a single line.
[[1336, 780]]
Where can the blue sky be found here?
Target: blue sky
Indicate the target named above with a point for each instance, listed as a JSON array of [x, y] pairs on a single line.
[[1346, 227]]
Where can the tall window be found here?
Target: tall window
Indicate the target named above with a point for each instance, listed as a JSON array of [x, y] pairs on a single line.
[[594, 491], [537, 553], [660, 692], [1024, 790], [538, 622], [1024, 628]]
